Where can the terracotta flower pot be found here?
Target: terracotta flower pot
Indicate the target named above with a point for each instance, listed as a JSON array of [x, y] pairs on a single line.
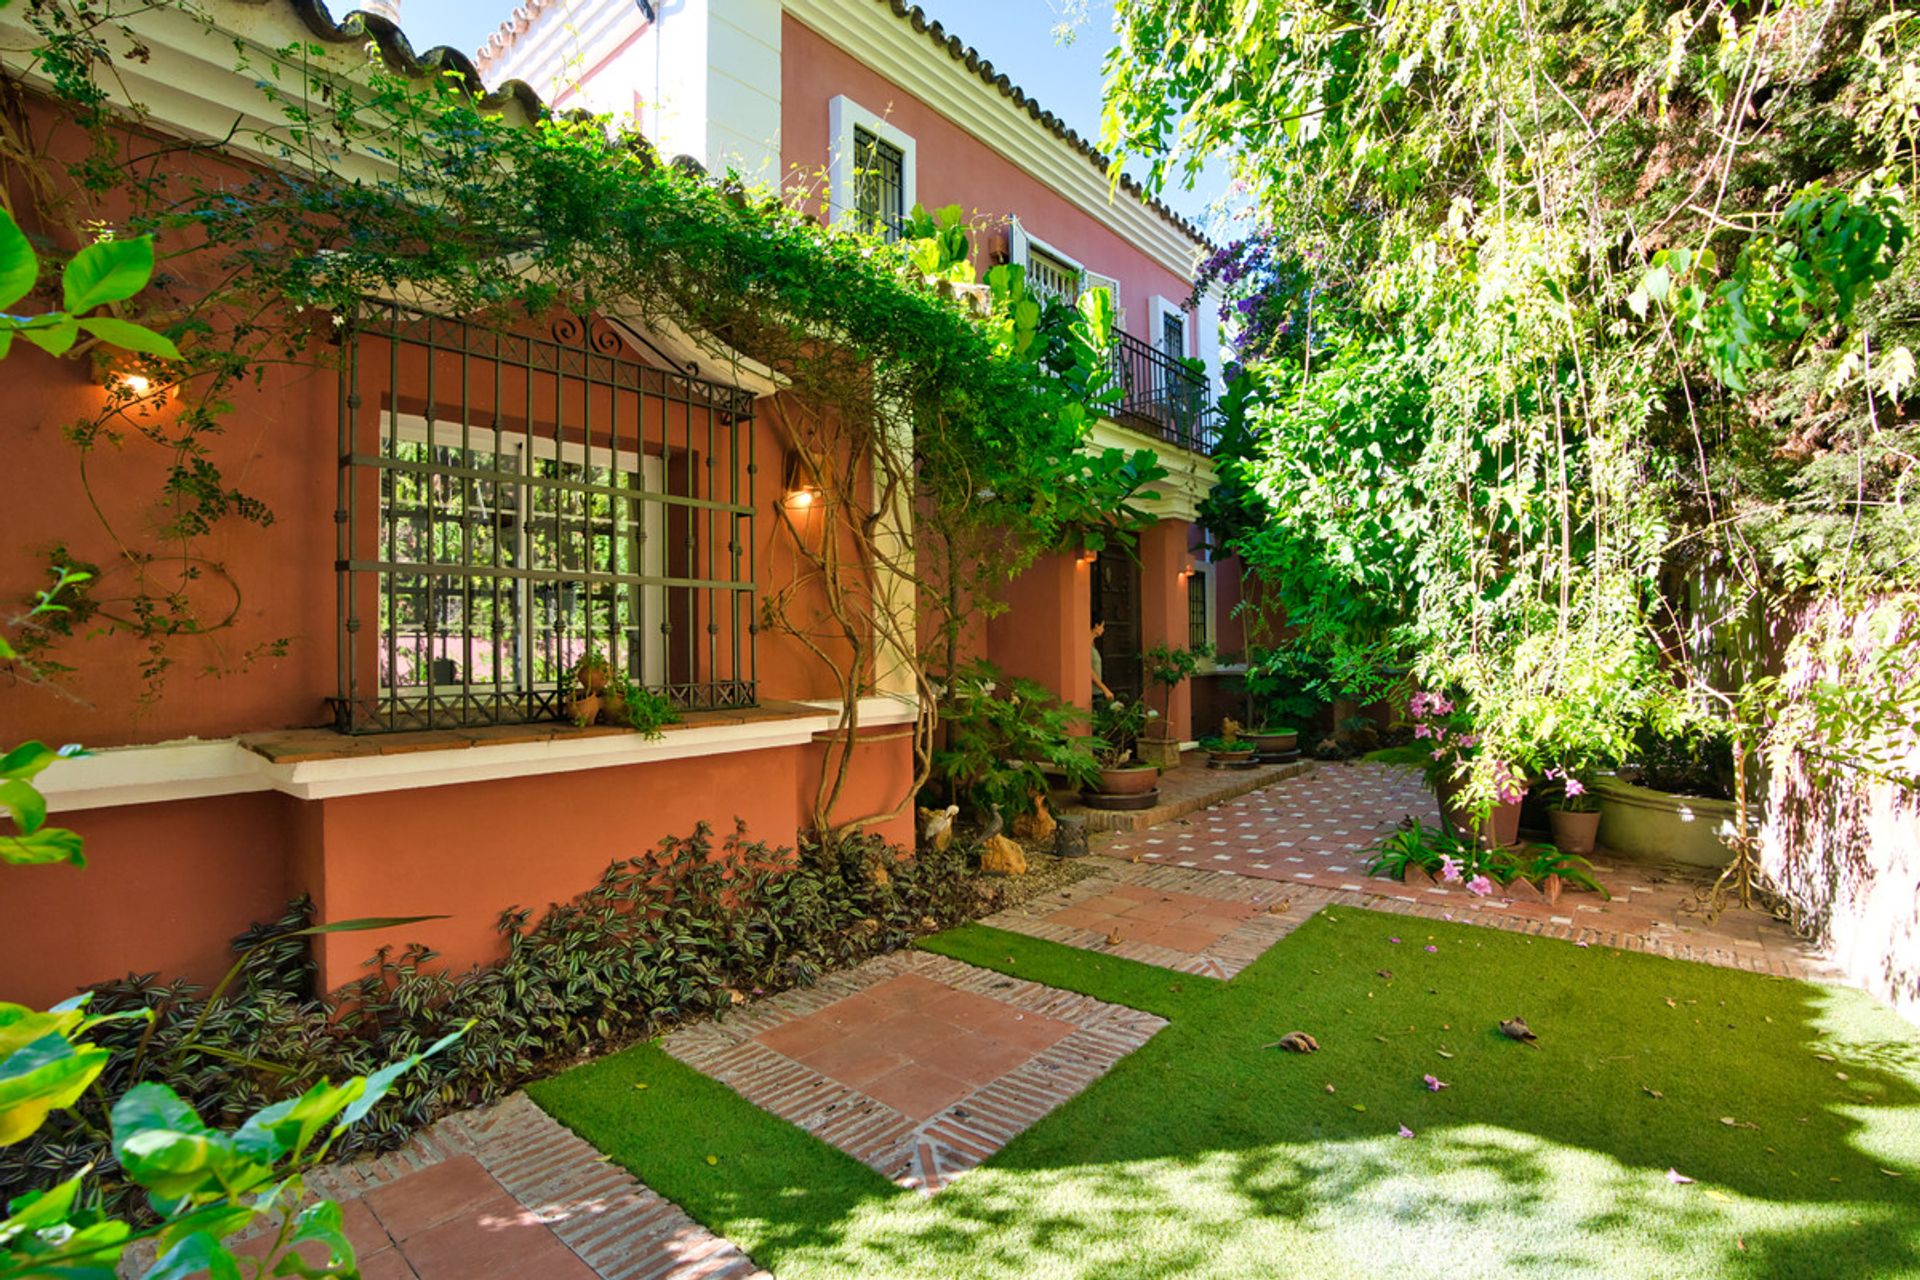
[[1574, 832], [1503, 822], [584, 710], [1128, 780], [1274, 744]]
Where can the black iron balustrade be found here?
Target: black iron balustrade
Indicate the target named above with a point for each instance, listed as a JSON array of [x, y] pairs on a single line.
[[510, 504], [1162, 397]]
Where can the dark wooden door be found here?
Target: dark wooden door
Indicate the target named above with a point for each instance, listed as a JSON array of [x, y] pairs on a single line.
[[1116, 602]]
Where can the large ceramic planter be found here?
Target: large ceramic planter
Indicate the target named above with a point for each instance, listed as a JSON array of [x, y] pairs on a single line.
[[1162, 753], [1658, 826], [1574, 832], [1273, 747], [1128, 780]]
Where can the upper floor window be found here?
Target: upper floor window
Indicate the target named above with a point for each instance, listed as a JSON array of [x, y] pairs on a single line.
[[870, 170], [1173, 335], [1052, 276], [879, 173]]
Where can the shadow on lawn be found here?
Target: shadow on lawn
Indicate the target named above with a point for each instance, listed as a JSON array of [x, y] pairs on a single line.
[[1206, 1153]]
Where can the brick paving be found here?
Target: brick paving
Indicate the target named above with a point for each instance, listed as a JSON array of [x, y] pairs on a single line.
[[1190, 920], [1192, 786], [507, 1192], [916, 1065], [1314, 833]]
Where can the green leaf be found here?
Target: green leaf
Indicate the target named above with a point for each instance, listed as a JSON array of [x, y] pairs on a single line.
[[19, 268], [56, 337], [44, 1076], [166, 1148], [382, 1081], [133, 337], [44, 847], [24, 803], [107, 271], [28, 759], [199, 1254]]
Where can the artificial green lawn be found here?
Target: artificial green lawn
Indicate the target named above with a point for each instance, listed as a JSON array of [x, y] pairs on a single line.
[[1206, 1154]]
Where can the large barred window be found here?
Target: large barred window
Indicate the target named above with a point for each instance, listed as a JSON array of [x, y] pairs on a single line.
[[510, 504]]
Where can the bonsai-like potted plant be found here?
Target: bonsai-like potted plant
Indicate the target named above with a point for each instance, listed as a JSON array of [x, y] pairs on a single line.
[[1167, 667], [1275, 743], [1574, 813], [1229, 749], [1117, 728]]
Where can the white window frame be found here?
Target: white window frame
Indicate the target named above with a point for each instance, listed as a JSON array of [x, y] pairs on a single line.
[[844, 115], [527, 445], [1163, 307], [1020, 246]]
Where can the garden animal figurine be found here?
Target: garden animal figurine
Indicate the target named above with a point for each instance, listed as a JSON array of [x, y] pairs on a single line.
[[936, 826], [1517, 1029], [1296, 1042], [994, 824]]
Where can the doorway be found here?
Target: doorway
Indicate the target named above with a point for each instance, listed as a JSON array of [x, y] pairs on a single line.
[[1116, 602]]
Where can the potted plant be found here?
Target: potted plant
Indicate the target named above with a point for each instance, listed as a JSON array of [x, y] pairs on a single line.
[[1275, 743], [1167, 667], [1574, 812], [1002, 738], [1117, 729], [1671, 803], [1228, 749], [1487, 805]]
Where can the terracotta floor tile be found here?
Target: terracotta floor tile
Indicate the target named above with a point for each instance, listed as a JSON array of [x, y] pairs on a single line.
[[494, 1247], [388, 1264], [802, 1036], [917, 1091], [455, 1188], [854, 1060]]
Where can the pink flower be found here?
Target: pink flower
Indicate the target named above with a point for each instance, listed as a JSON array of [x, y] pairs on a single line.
[[1439, 755], [1469, 739], [1431, 949], [1480, 886], [1449, 869], [1423, 731], [1434, 1083], [1574, 788], [1676, 1177], [1395, 941], [1405, 1132]]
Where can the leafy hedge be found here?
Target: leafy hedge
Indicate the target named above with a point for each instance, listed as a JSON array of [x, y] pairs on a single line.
[[679, 933]]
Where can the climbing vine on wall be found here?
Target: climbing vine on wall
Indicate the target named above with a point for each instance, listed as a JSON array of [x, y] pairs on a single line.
[[965, 401]]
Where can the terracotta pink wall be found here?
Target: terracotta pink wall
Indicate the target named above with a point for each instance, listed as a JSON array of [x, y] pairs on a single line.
[[1043, 635], [956, 168], [164, 889], [1163, 612]]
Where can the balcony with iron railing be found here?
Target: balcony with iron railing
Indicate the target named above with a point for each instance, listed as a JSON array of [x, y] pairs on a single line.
[[1162, 397]]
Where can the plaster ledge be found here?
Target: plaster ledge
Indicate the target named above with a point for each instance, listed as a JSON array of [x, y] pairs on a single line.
[[310, 765]]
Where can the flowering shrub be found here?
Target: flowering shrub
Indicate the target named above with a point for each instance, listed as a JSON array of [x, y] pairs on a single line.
[[1453, 749]]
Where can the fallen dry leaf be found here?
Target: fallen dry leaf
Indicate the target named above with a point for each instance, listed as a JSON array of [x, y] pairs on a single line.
[[1651, 1093], [1295, 1042]]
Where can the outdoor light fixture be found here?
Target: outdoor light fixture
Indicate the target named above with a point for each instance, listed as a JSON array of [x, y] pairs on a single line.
[[798, 489], [1088, 557]]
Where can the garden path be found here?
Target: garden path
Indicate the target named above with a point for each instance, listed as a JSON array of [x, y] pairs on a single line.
[[1313, 834], [922, 1066]]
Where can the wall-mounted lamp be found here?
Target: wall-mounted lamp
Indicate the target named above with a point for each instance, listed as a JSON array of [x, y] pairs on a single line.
[[1087, 557], [1187, 572], [797, 488]]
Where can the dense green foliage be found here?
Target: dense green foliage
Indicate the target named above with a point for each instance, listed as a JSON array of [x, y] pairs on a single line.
[[1576, 338], [681, 932], [1209, 1153]]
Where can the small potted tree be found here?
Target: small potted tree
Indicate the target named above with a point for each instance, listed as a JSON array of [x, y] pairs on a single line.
[[1167, 668], [1229, 749], [1125, 781]]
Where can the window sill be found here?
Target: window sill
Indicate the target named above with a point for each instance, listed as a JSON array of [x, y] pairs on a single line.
[[318, 764]]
